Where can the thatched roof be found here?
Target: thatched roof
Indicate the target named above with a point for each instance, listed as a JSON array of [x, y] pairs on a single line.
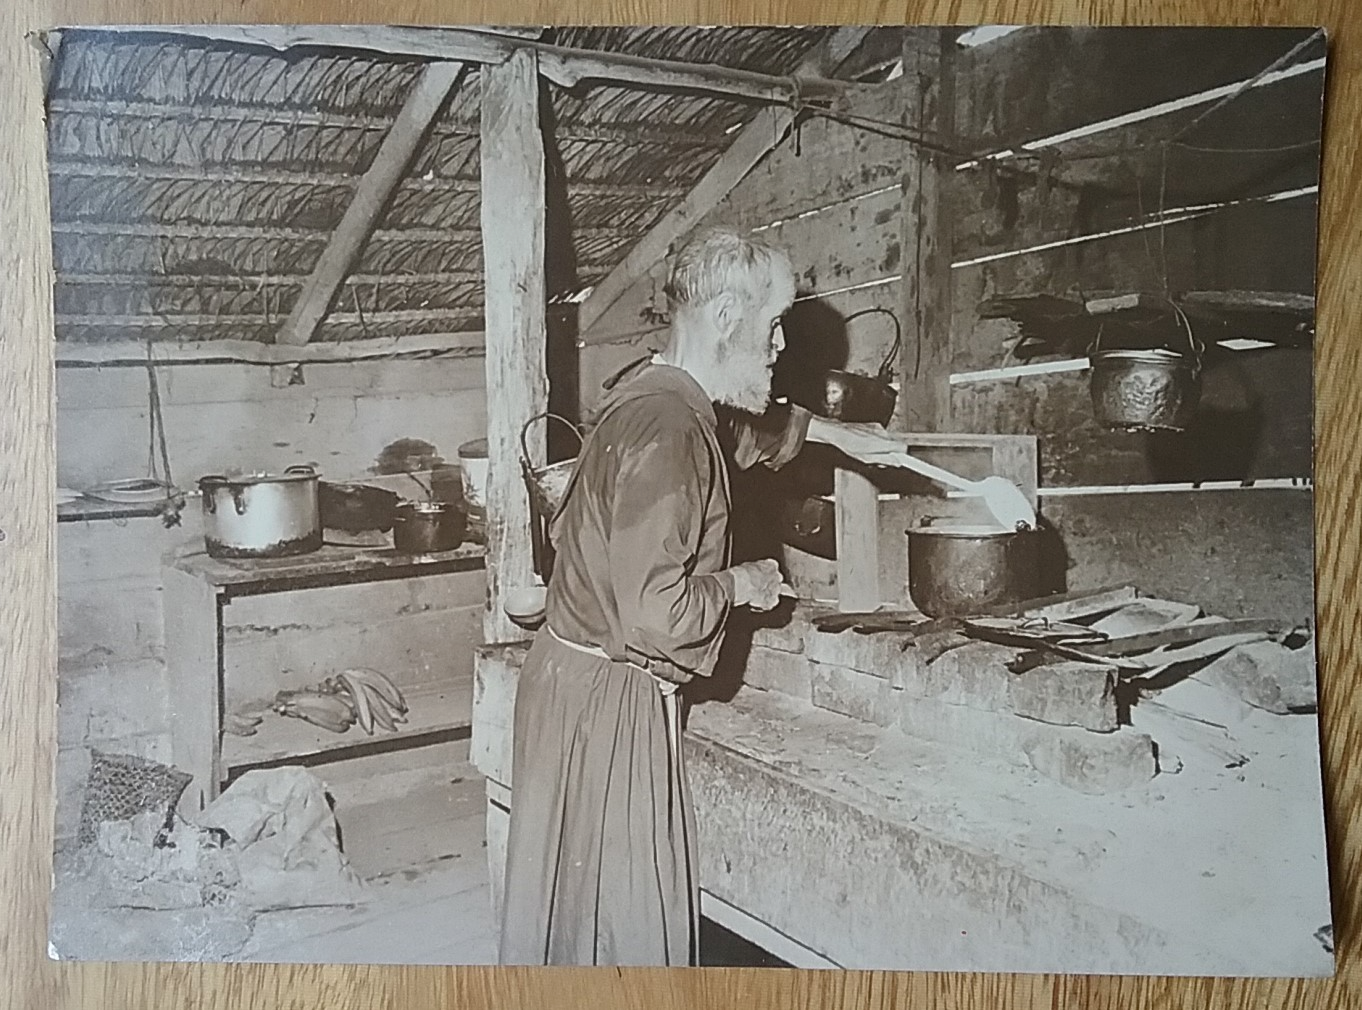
[[195, 183]]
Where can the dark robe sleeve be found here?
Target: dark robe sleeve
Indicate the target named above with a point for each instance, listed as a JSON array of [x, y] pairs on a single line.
[[774, 438], [658, 517]]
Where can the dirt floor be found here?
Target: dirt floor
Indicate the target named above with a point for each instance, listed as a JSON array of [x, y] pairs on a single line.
[[411, 824]]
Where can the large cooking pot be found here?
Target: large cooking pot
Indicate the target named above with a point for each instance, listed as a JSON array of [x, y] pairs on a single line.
[[854, 398], [262, 515], [1154, 389], [959, 571]]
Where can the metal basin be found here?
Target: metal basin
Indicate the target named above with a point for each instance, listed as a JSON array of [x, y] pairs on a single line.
[[959, 571]]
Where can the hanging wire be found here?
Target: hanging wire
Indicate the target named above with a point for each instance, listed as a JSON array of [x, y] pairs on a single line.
[[1250, 83]]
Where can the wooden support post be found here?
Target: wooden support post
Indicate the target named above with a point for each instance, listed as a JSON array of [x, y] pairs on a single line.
[[513, 260], [924, 393], [857, 519], [376, 186]]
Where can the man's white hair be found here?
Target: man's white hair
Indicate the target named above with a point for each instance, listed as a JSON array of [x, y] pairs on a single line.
[[719, 260]]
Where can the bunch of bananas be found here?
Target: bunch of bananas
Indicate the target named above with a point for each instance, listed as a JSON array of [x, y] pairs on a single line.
[[358, 695]]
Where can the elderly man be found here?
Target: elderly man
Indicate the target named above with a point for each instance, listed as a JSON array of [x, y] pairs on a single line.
[[601, 861]]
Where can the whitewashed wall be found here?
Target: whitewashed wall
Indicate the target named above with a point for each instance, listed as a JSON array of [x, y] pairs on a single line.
[[112, 679], [220, 416]]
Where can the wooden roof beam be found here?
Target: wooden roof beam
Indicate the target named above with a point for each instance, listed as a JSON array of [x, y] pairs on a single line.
[[436, 83], [757, 139], [563, 65]]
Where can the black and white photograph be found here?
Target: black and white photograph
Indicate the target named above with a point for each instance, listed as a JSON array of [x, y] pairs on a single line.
[[816, 496]]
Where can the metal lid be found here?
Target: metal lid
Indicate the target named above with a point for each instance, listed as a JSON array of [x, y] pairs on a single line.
[[967, 531], [476, 449], [293, 473]]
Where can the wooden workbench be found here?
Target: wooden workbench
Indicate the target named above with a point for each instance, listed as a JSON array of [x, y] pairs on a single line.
[[237, 631]]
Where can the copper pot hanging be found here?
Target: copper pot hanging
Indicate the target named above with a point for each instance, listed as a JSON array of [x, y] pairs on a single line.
[[1156, 389]]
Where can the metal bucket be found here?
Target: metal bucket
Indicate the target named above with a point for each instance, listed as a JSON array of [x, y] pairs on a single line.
[[547, 486], [1146, 390], [863, 399]]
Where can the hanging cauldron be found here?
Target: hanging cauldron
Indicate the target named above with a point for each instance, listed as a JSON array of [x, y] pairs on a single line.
[[1155, 389], [854, 398]]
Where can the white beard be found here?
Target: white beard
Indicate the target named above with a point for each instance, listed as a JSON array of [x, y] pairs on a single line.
[[738, 388]]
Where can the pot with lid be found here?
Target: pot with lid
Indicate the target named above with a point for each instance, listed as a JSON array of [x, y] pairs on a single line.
[[262, 515]]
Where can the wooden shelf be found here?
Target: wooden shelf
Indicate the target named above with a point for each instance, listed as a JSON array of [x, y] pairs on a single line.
[[332, 565], [434, 708]]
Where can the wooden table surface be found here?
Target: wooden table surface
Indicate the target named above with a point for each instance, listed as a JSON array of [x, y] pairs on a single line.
[[27, 583]]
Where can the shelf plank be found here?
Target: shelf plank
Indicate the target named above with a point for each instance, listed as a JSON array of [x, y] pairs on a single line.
[[434, 708]]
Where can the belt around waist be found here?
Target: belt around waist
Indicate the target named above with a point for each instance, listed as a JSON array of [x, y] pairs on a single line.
[[665, 686]]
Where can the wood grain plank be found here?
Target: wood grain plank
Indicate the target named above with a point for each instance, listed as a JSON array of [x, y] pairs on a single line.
[[924, 402], [192, 622], [27, 723], [513, 256], [857, 501]]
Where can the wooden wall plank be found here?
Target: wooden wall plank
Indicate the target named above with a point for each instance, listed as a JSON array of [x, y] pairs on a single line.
[[1093, 75], [924, 402], [513, 257]]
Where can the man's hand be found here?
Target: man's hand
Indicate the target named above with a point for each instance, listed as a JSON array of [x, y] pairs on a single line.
[[756, 584], [868, 443]]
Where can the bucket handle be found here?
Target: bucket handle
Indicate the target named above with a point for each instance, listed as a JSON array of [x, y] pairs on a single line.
[[525, 429], [898, 335], [1197, 348]]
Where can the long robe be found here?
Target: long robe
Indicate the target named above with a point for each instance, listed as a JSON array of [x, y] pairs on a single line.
[[601, 853]]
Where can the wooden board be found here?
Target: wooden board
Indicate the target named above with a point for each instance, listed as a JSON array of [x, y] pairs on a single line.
[[436, 708], [924, 402], [26, 585], [858, 542], [191, 611], [513, 254]]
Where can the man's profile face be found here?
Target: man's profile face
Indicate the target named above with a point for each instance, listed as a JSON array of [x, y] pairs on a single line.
[[749, 353]]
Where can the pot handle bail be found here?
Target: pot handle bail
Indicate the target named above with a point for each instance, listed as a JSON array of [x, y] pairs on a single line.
[[1194, 345]]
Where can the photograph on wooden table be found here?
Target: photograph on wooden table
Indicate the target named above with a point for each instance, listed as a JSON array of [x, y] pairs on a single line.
[[832, 496]]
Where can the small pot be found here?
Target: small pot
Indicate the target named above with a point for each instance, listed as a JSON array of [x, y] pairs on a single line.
[[959, 571], [857, 399], [863, 399], [427, 527], [261, 515]]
